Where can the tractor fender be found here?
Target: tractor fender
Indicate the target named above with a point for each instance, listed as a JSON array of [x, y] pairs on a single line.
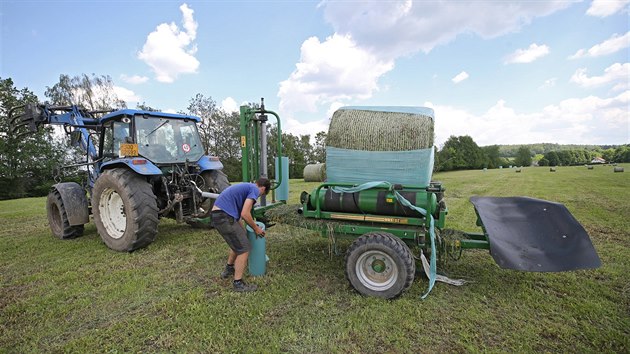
[[139, 165], [74, 201], [209, 163]]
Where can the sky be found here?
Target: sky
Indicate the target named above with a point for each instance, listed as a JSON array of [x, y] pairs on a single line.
[[502, 72]]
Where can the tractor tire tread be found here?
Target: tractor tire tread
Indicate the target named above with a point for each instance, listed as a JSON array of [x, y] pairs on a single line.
[[65, 231], [142, 208]]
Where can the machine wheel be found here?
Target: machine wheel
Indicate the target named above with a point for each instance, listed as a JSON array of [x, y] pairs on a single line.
[[377, 264], [58, 218], [125, 210], [215, 181]]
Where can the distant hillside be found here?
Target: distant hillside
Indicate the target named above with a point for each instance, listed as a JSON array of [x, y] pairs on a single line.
[[542, 148]]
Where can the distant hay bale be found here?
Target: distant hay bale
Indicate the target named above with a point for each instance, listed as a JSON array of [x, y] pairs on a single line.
[[315, 172], [381, 129], [552, 169], [590, 167], [518, 170], [618, 169]]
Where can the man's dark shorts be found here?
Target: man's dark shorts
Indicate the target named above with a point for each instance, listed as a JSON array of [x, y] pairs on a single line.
[[232, 231]]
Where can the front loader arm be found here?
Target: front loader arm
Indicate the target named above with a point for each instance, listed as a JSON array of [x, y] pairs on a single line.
[[30, 117]]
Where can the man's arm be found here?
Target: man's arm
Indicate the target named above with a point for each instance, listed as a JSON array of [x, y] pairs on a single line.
[[246, 215]]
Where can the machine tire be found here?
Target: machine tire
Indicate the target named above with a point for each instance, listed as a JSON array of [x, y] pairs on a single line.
[[125, 210], [58, 218], [215, 181], [377, 264]]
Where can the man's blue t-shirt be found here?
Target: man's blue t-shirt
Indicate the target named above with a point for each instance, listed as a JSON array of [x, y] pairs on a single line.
[[231, 200]]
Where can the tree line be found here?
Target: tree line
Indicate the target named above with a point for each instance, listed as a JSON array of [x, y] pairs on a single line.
[[462, 153]]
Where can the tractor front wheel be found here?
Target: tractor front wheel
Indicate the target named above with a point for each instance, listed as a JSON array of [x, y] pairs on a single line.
[[125, 210], [377, 264], [58, 217]]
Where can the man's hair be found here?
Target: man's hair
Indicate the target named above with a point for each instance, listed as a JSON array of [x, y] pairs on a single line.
[[264, 182]]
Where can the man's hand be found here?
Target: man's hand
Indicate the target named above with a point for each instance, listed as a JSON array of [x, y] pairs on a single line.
[[259, 232]]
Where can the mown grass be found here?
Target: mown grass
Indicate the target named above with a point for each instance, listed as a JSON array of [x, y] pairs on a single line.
[[79, 296]]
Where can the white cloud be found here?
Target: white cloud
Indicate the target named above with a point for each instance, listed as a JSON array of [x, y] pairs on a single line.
[[330, 71], [170, 51], [370, 35], [135, 79], [609, 46], [605, 8], [588, 120], [126, 94], [533, 52], [296, 127], [395, 28], [548, 83], [229, 105], [333, 107], [616, 73], [460, 77]]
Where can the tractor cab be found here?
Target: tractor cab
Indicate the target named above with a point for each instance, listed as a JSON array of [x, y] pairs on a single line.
[[158, 137]]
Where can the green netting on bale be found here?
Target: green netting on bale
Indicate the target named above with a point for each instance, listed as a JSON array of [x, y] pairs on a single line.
[[315, 172], [381, 128]]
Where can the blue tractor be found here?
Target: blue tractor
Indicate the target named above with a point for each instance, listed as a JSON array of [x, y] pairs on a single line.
[[141, 166]]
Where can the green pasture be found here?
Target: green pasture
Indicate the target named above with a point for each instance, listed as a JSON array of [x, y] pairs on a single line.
[[79, 296]]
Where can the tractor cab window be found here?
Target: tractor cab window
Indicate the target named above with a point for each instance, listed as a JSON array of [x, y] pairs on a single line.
[[115, 134], [168, 140]]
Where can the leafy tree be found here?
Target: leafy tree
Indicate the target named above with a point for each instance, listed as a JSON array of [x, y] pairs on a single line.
[[297, 148], [93, 93], [608, 154], [460, 153], [552, 158], [523, 156], [26, 162], [492, 155], [227, 143], [220, 133], [622, 154], [319, 150]]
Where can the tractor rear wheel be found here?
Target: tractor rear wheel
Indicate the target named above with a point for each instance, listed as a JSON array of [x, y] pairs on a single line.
[[125, 210], [58, 217], [377, 264], [215, 181]]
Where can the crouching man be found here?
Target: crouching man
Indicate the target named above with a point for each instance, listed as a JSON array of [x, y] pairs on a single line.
[[235, 203]]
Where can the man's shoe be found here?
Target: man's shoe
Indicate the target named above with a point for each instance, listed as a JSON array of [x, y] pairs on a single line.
[[227, 272], [242, 287]]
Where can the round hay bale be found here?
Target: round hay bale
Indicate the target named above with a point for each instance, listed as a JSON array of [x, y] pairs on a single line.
[[552, 169], [315, 172], [590, 167], [381, 128], [518, 170], [618, 169]]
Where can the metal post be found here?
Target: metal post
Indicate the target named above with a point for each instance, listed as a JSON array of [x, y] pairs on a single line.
[[263, 146]]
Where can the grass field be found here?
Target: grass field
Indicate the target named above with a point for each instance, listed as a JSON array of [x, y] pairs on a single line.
[[79, 296]]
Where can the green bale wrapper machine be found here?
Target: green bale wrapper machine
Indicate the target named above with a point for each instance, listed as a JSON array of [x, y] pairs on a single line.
[[379, 193]]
